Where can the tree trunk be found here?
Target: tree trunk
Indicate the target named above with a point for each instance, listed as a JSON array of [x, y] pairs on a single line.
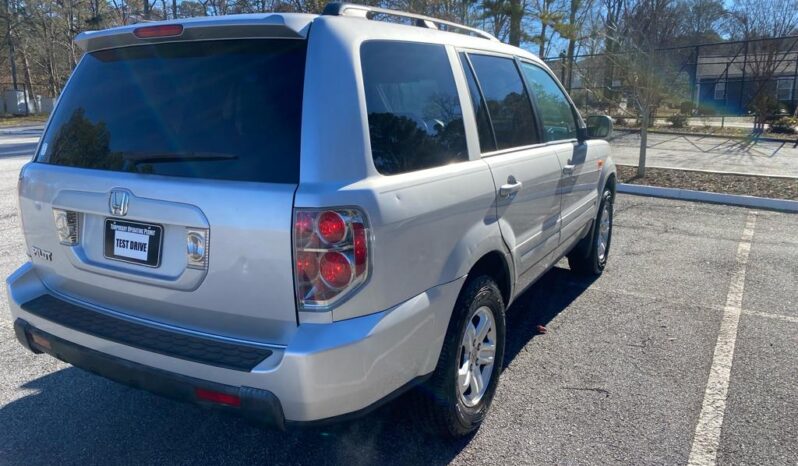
[[9, 34], [30, 97], [146, 9], [644, 122], [569, 60], [542, 49], [174, 9], [516, 14], [571, 43], [70, 34], [48, 57]]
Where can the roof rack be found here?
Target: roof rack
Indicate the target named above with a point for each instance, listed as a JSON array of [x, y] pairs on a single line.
[[368, 12]]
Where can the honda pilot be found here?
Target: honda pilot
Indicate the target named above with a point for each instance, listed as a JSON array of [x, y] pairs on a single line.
[[299, 217]]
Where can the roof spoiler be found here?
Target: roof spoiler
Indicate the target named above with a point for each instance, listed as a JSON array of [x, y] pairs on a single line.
[[294, 26]]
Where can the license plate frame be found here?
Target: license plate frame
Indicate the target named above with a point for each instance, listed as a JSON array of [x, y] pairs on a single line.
[[154, 244]]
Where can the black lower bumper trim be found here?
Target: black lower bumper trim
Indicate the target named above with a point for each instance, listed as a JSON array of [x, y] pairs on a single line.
[[260, 406], [194, 348]]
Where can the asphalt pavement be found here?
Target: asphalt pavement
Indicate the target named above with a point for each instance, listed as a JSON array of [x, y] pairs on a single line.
[[621, 376]]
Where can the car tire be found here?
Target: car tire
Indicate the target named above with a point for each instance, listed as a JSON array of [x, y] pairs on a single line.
[[445, 408], [589, 257]]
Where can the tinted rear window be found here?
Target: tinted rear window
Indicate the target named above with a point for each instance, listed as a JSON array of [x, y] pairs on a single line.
[[414, 114], [217, 109]]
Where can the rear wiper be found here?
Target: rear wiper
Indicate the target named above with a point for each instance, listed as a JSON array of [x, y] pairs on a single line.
[[165, 157]]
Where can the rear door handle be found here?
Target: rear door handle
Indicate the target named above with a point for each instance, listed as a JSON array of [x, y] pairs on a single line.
[[510, 188], [568, 169]]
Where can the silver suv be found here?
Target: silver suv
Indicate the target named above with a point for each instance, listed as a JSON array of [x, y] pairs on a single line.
[[298, 217]]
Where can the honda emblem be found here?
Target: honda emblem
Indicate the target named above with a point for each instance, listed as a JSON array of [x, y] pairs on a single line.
[[118, 201]]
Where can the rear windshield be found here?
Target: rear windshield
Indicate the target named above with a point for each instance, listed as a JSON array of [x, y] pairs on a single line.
[[227, 110]]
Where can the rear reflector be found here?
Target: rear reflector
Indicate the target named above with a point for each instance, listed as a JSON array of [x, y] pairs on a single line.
[[41, 341], [166, 30], [217, 397]]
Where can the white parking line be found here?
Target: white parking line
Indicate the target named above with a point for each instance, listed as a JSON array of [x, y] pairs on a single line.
[[651, 297], [704, 450], [769, 315]]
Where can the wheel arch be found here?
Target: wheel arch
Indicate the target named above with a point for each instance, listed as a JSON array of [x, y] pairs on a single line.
[[495, 265], [611, 182]]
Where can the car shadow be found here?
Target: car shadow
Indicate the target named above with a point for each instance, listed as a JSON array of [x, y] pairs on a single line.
[[540, 304], [70, 416]]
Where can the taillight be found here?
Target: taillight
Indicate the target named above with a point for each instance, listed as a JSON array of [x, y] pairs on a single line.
[[331, 255]]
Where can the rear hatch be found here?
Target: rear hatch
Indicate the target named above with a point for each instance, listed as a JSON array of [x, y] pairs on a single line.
[[164, 184]]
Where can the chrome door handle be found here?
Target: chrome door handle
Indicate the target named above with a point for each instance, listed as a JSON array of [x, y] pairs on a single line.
[[510, 188], [568, 169]]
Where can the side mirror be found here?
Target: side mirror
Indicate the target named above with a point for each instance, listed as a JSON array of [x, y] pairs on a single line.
[[598, 127]]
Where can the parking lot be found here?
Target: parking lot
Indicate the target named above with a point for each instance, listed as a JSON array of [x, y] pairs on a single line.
[[694, 323]]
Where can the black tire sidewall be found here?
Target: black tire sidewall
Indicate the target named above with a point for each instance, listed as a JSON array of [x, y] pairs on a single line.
[[606, 198], [488, 295]]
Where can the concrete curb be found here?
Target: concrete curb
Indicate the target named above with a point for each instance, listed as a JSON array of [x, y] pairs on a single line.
[[782, 205]]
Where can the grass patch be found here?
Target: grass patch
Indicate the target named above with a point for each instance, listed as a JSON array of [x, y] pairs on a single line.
[[6, 121]]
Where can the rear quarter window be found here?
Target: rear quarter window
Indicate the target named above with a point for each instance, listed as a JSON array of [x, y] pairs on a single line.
[[414, 115], [228, 110]]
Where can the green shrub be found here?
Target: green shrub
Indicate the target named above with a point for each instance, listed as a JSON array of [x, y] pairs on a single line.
[[784, 125], [678, 121]]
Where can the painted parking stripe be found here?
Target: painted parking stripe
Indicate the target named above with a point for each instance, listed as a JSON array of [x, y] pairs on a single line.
[[652, 297], [769, 315], [704, 450]]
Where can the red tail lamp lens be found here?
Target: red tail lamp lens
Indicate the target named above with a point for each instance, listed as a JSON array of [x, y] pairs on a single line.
[[332, 227], [360, 247], [217, 397], [166, 30], [335, 269], [307, 266], [331, 255]]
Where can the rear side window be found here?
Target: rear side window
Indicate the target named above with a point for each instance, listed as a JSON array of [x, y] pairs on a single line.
[[508, 103], [415, 120], [227, 110], [559, 121]]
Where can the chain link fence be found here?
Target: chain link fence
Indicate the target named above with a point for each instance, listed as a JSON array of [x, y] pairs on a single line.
[[736, 84]]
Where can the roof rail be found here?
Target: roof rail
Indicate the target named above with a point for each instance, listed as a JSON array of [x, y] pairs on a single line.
[[368, 12]]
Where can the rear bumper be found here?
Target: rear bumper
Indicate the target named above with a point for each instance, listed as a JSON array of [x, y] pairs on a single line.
[[327, 370], [258, 405]]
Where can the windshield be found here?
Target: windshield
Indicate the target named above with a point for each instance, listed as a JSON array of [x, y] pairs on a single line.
[[216, 109]]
